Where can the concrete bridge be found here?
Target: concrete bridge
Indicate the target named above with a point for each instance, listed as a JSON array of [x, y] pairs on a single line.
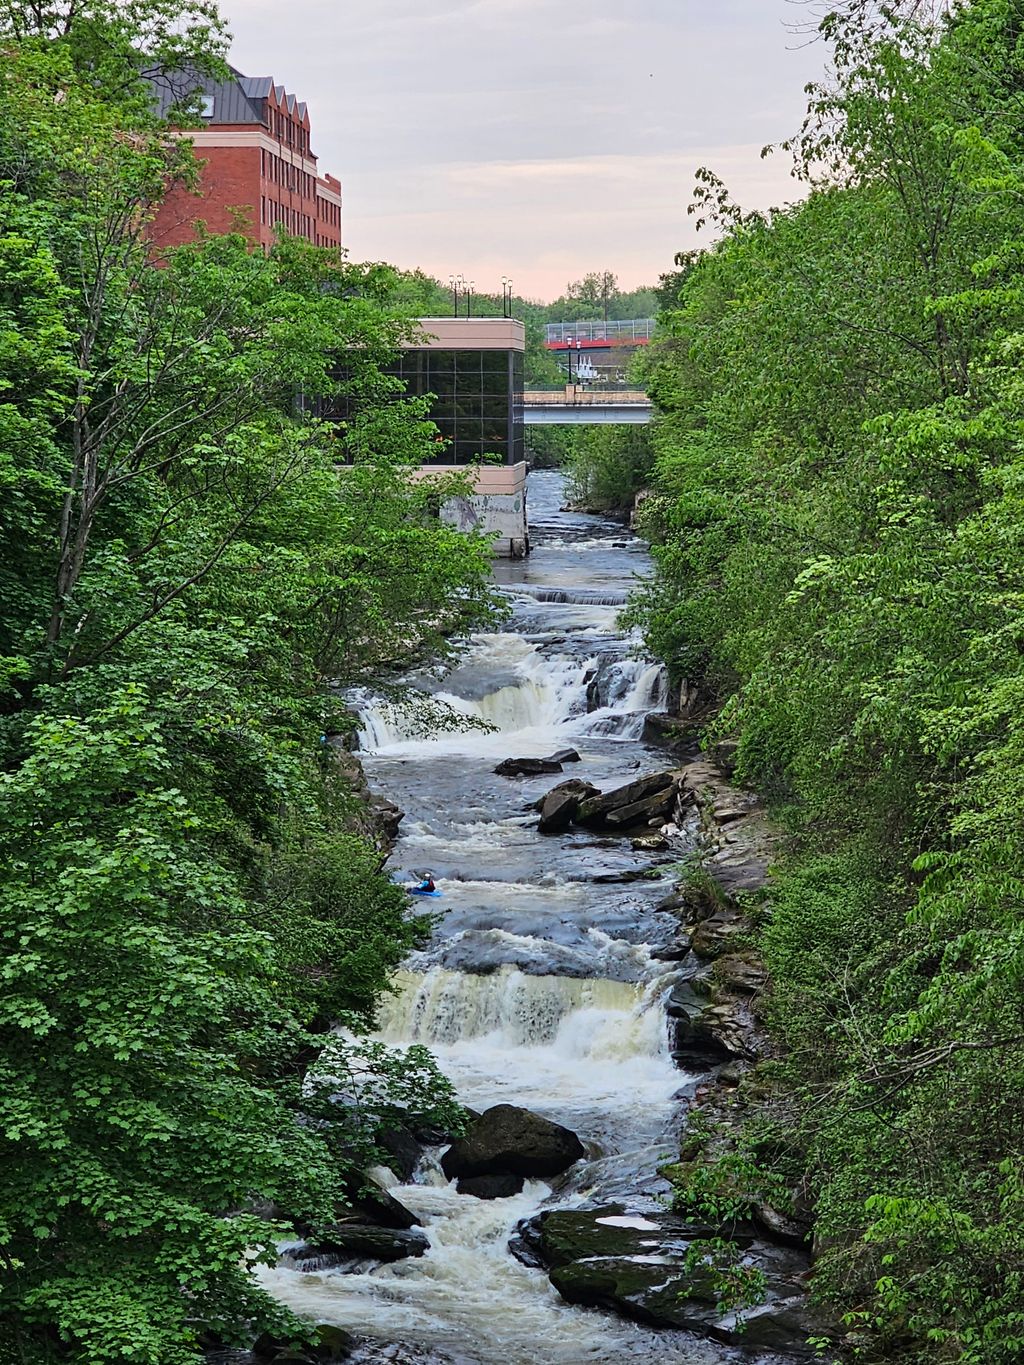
[[577, 406]]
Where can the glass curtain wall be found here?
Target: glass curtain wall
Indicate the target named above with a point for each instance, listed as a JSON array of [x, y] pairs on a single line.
[[477, 405]]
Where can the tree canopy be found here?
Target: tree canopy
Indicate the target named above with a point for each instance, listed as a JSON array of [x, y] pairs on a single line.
[[837, 531], [191, 567]]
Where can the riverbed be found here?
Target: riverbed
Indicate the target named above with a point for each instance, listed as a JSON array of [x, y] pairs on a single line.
[[542, 985]]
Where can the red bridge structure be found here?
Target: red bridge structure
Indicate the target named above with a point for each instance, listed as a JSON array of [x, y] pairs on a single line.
[[595, 350]]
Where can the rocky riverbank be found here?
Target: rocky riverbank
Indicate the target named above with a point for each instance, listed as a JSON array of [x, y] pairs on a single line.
[[728, 1262]]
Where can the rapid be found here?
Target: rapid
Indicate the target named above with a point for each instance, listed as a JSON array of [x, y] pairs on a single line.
[[542, 985]]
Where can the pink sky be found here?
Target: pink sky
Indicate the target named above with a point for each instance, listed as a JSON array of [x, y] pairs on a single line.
[[528, 138]]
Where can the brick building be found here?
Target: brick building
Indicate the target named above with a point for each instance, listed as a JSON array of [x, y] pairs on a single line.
[[255, 141]]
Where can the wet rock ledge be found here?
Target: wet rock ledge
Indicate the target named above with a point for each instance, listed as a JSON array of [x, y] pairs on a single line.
[[732, 1259]]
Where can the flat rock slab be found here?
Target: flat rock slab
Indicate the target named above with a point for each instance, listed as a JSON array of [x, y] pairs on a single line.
[[557, 1237], [527, 767], [635, 1265], [635, 803]]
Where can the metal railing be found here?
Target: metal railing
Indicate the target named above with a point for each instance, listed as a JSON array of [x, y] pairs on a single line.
[[636, 329], [573, 397]]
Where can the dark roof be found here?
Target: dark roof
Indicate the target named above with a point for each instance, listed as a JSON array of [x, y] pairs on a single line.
[[239, 99]]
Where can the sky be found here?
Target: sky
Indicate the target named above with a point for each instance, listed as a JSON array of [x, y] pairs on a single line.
[[539, 139]]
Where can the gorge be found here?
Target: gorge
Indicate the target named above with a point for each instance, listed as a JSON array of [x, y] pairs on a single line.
[[545, 981]]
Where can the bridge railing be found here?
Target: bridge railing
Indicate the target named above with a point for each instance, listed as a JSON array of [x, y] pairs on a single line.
[[635, 329], [573, 397]]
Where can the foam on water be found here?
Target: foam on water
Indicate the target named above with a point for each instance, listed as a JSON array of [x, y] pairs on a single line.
[[591, 1052]]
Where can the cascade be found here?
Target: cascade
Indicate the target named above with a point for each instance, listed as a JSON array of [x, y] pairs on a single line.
[[538, 987]]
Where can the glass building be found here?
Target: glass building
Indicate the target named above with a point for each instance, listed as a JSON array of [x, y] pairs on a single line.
[[473, 367], [478, 398]]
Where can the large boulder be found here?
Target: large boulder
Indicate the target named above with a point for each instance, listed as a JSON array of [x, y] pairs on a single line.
[[490, 1186], [558, 808], [507, 1140], [635, 803]]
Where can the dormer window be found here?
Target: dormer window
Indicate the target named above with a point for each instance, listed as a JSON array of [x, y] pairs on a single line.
[[206, 107]]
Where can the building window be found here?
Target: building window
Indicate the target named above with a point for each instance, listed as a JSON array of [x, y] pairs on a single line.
[[207, 106]]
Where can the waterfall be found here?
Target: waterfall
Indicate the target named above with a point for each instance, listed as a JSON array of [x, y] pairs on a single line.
[[581, 1020], [518, 993], [549, 693]]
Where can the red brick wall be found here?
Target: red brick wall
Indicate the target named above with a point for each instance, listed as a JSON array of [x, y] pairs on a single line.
[[230, 180]]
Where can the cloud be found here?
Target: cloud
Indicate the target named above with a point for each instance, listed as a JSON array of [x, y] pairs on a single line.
[[514, 136]]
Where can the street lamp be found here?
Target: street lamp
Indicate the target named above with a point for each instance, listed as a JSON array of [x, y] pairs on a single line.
[[469, 298], [456, 283], [506, 297]]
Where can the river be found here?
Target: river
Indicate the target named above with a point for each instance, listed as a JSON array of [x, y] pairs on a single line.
[[541, 986]]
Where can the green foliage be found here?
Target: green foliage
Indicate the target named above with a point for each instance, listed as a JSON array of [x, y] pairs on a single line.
[[597, 295], [189, 560], [837, 527], [608, 465]]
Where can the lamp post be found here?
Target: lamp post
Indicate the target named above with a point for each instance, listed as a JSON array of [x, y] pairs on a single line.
[[506, 297], [456, 283], [469, 298]]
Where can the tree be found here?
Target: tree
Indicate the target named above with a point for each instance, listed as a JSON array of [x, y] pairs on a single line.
[[837, 528], [189, 559]]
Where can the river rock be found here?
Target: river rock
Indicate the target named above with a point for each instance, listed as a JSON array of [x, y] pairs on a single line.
[[786, 1229], [572, 786], [649, 843], [369, 1202], [635, 1264], [564, 756], [557, 813], [711, 937], [339, 1242], [558, 808], [374, 1243], [635, 803], [738, 871], [527, 767], [666, 1296], [556, 1237], [744, 972], [706, 1033], [387, 817], [402, 1152], [508, 1140], [660, 728], [651, 811], [490, 1186]]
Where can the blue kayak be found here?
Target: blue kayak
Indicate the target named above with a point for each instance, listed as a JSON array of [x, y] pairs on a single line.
[[415, 891]]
